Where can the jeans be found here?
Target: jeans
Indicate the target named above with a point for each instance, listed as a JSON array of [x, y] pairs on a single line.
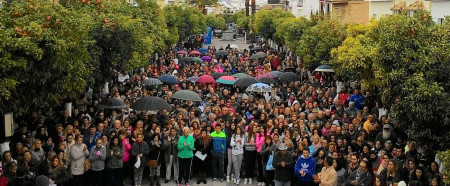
[[169, 167], [237, 162], [230, 162], [259, 158], [218, 160], [249, 158], [115, 178], [184, 168], [155, 170], [138, 174], [282, 183]]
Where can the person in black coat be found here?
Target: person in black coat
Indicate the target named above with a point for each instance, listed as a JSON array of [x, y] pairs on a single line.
[[155, 154], [203, 145], [283, 163]]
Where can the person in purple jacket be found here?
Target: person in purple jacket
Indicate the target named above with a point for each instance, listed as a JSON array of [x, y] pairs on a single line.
[[305, 169]]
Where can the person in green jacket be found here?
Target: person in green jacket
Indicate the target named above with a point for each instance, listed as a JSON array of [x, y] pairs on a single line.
[[185, 154]]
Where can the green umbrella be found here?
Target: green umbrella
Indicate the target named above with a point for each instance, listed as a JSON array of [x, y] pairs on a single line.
[[198, 60], [240, 75], [186, 95]]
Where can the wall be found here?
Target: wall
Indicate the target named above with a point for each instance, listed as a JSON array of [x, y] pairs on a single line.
[[351, 12], [379, 8], [440, 9], [310, 6]]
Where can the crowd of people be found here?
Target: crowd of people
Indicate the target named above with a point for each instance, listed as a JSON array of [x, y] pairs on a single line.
[[317, 131]]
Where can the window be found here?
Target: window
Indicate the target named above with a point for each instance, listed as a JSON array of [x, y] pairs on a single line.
[[440, 21], [300, 3]]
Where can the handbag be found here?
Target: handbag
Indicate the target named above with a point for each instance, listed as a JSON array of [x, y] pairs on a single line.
[[153, 163], [269, 165], [87, 164]]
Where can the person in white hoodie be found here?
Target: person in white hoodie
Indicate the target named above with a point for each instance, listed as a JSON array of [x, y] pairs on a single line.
[[78, 153], [237, 151]]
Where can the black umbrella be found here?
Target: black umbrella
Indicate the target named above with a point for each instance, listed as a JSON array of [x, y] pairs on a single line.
[[151, 82], [221, 53], [245, 82], [151, 103], [257, 56], [111, 103], [186, 95], [217, 75], [256, 48], [289, 76], [186, 59], [268, 80]]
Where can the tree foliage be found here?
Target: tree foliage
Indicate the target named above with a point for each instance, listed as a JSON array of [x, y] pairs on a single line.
[[316, 43], [290, 31], [406, 58], [214, 22], [266, 20], [186, 21], [44, 51]]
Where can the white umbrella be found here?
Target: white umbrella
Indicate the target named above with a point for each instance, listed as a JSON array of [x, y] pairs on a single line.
[[324, 68], [234, 46]]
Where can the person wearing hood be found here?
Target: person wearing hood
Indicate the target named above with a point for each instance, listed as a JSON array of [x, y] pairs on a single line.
[[305, 168]]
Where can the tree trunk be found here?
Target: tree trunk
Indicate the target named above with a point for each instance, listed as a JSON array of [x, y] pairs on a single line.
[[247, 7]]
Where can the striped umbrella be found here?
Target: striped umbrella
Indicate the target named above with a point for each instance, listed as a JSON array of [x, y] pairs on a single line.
[[228, 80]]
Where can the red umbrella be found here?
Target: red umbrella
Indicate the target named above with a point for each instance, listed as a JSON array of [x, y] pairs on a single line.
[[206, 79], [264, 75], [195, 52]]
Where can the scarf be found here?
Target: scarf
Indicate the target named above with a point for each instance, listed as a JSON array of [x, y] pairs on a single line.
[[206, 140]]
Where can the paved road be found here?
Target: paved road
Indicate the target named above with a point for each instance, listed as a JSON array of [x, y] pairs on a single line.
[[239, 42], [193, 182]]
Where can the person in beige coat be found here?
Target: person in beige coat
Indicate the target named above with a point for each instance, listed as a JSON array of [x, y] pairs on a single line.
[[328, 176], [78, 154]]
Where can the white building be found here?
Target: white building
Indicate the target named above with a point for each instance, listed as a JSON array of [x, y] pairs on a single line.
[[439, 9]]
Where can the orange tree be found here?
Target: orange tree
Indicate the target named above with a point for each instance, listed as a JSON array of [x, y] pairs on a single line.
[[43, 54]]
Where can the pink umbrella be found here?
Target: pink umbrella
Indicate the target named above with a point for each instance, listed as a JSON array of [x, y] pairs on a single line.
[[182, 52], [206, 79], [195, 52], [264, 75]]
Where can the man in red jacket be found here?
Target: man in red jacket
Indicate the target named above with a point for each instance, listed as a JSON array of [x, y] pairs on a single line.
[[276, 62]]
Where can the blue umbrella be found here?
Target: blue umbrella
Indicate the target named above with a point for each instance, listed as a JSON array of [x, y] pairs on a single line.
[[275, 73], [324, 68], [168, 79], [259, 87], [193, 79], [203, 50]]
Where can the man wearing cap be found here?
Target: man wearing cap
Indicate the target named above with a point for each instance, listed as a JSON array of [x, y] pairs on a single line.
[[283, 163]]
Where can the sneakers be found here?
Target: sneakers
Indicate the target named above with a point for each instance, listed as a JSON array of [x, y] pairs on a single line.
[[234, 180], [259, 183], [250, 181], [215, 179], [245, 181], [237, 181], [187, 184], [178, 184], [228, 179], [221, 179]]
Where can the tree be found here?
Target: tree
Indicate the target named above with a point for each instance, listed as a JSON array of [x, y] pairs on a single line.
[[316, 43], [214, 22], [290, 31], [406, 58], [201, 4], [242, 20], [187, 21], [266, 20], [44, 54]]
